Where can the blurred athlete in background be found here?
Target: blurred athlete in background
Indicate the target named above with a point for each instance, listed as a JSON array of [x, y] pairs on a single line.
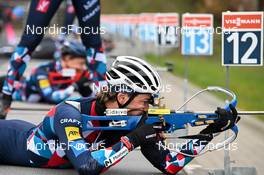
[[55, 81], [40, 15]]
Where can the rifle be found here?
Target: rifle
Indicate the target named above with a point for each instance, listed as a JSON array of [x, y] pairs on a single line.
[[173, 120]]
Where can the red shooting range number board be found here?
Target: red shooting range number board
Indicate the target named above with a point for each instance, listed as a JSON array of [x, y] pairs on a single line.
[[242, 38], [197, 34], [167, 29]]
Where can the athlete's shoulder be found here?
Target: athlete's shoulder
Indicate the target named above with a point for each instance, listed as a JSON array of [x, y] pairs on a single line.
[[83, 104]]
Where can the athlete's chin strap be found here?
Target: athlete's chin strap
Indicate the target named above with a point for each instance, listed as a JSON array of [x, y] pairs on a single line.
[[131, 97], [123, 89]]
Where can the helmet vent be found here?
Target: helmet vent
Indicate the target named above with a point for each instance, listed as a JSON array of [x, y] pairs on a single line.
[[113, 74]]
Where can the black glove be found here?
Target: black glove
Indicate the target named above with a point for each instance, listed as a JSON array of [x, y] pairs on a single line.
[[83, 86], [227, 119], [145, 134]]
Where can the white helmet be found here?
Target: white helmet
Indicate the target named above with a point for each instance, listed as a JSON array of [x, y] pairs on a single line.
[[134, 73]]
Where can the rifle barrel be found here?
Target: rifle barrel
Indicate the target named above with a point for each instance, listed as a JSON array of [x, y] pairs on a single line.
[[250, 112], [238, 112], [198, 112]]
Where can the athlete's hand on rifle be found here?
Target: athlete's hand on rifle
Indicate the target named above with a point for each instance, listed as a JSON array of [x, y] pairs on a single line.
[[145, 134], [227, 119]]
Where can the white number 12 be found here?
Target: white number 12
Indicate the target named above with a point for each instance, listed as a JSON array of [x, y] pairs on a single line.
[[245, 58]]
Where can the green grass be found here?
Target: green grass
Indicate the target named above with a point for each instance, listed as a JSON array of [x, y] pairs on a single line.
[[246, 82], [146, 6]]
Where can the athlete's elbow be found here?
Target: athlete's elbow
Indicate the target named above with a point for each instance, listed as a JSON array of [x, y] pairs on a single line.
[[172, 170]]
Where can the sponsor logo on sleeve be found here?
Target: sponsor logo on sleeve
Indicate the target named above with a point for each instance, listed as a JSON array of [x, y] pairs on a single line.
[[116, 157], [69, 120], [72, 133]]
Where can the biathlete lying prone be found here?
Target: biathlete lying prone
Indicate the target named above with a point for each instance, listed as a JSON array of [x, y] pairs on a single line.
[[61, 140]]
